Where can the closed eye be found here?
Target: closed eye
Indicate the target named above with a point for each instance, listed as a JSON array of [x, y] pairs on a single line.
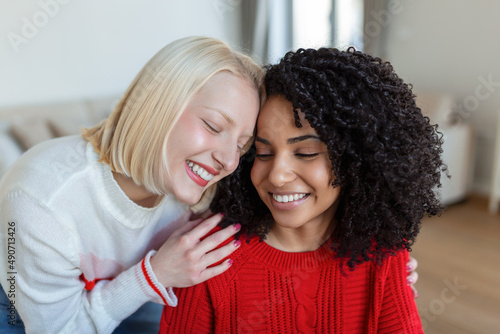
[[211, 128], [263, 156], [303, 155]]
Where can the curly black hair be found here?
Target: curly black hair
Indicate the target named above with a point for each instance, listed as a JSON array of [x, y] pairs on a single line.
[[385, 154]]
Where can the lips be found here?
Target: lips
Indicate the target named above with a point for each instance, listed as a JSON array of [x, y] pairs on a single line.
[[199, 173], [287, 201]]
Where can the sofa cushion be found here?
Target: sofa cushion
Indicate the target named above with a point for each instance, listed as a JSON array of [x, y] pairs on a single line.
[[11, 150], [31, 131]]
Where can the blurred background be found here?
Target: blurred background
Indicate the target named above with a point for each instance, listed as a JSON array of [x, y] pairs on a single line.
[[64, 64]]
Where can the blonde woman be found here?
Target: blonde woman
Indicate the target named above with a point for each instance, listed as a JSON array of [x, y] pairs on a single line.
[[95, 226]]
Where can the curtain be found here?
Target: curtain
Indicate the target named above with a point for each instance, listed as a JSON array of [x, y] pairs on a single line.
[[267, 28], [375, 24]]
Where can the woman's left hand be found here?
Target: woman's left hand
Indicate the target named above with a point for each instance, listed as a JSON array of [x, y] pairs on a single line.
[[411, 279]]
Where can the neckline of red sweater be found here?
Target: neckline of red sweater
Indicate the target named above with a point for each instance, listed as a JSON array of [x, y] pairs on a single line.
[[262, 252]]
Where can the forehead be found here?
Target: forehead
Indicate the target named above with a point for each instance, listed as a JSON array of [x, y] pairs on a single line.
[[276, 118]]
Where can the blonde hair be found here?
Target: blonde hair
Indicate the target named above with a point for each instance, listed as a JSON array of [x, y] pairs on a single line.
[[132, 140]]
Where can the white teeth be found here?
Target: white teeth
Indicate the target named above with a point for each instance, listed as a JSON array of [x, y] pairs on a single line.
[[200, 171], [288, 198]]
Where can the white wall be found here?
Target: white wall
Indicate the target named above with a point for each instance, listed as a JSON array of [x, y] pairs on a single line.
[[60, 50], [452, 46]]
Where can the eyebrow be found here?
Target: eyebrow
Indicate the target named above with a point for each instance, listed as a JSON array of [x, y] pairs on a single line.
[[290, 140], [223, 114]]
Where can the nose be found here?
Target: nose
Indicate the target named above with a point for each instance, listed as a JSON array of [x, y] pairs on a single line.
[[227, 155], [281, 171]]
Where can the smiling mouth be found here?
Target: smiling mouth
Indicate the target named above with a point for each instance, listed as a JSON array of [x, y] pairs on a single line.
[[200, 171], [287, 202], [288, 198]]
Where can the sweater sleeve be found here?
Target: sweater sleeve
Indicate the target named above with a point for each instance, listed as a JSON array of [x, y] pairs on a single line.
[[399, 312], [47, 290], [194, 314]]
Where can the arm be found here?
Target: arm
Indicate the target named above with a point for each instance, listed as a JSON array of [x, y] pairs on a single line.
[[195, 313], [398, 312], [49, 293]]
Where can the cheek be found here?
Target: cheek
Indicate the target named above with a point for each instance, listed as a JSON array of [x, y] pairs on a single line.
[[198, 137], [329, 193], [321, 175], [321, 178], [333, 195], [188, 137]]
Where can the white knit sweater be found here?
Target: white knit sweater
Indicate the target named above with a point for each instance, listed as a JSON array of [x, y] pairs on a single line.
[[74, 249]]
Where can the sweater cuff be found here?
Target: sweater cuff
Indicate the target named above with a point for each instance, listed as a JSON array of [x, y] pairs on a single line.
[[124, 294], [166, 296]]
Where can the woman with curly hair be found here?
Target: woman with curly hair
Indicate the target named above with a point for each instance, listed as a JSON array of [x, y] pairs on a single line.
[[330, 201]]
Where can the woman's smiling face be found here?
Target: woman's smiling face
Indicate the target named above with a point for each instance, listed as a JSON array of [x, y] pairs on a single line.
[[205, 143], [292, 171]]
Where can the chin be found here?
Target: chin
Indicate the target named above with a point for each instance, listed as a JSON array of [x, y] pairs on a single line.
[[189, 199], [287, 224], [288, 221]]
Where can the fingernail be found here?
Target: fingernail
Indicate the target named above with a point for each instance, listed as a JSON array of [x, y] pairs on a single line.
[[222, 214], [409, 281], [409, 268], [237, 243], [230, 263], [237, 226], [415, 294]]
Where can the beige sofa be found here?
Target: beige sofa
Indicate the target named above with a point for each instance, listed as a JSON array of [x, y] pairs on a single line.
[[23, 127]]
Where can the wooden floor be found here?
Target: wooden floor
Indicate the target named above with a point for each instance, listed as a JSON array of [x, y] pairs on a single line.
[[459, 270]]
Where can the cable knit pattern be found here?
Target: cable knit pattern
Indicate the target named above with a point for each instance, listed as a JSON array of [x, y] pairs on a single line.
[[271, 291], [82, 247]]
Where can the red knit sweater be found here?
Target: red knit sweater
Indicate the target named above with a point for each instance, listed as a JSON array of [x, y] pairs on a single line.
[[271, 291]]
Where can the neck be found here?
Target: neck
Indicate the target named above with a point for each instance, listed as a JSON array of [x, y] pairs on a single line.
[[137, 193], [303, 239], [307, 237]]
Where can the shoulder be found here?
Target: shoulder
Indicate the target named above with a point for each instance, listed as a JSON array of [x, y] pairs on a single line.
[[47, 166], [394, 266], [399, 258], [229, 283], [239, 257], [244, 239]]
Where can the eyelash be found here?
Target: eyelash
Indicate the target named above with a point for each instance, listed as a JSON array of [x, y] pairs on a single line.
[[211, 128], [312, 155], [301, 155]]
